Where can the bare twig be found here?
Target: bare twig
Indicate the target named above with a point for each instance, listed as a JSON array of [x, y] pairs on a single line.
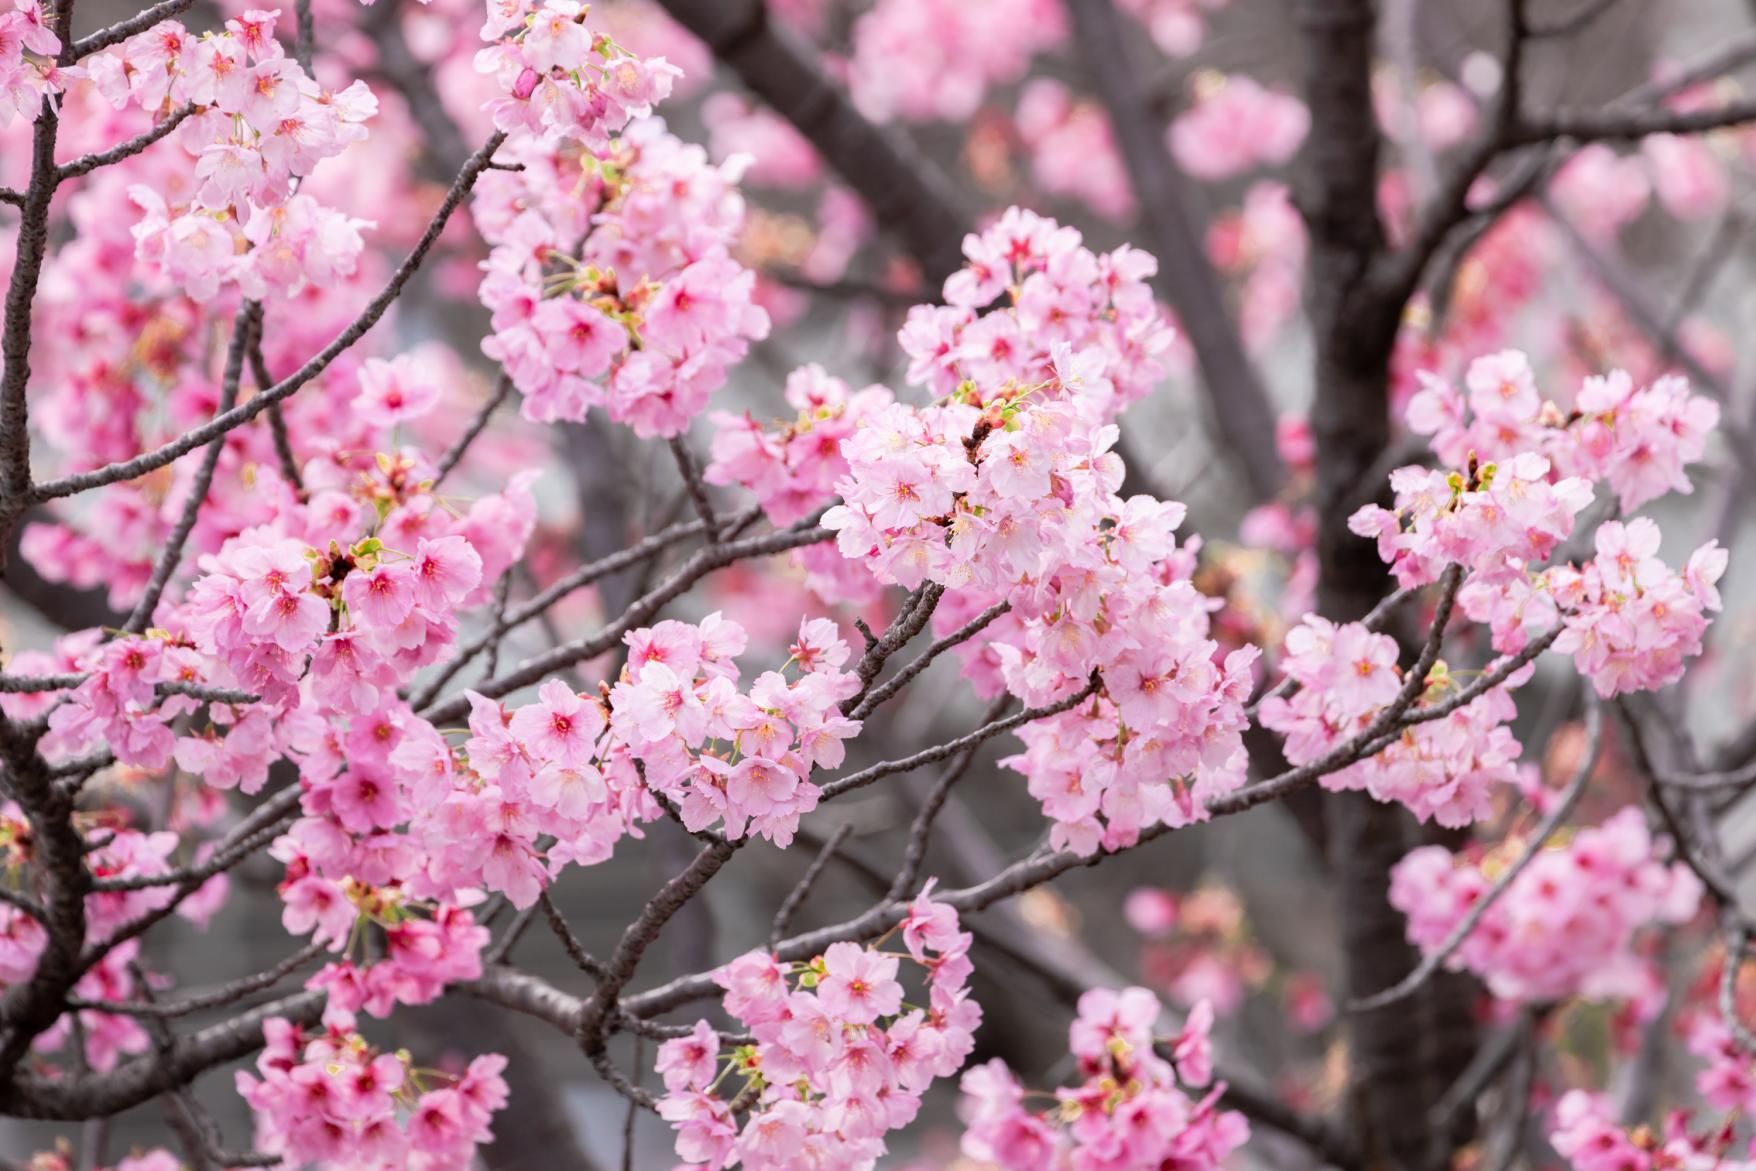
[[575, 950], [217, 997], [454, 456], [951, 748], [902, 678], [807, 882], [691, 473]]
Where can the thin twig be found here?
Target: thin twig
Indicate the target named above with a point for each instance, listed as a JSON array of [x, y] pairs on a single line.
[[902, 678], [802, 890], [454, 456], [244, 327], [686, 467], [217, 997], [950, 748], [582, 959], [914, 852], [85, 164]]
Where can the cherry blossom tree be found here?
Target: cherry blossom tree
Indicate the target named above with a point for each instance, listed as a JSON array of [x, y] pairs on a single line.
[[447, 453]]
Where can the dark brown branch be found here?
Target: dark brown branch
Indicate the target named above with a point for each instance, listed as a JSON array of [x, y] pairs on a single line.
[[907, 193], [911, 619], [595, 1015], [30, 247], [116, 33], [88, 163]]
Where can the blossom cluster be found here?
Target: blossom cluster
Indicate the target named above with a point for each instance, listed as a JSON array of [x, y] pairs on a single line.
[[611, 281], [557, 78], [1728, 1079], [1176, 26], [333, 1097], [1638, 440], [1590, 1137], [725, 754], [1630, 621], [1014, 499], [793, 467], [259, 124], [1262, 245], [29, 73], [1445, 769], [1236, 126], [1568, 923], [837, 1057], [1072, 325], [1053, 292], [1056, 125], [1132, 1111]]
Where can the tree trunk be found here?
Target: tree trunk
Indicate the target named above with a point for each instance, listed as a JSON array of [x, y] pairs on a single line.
[[1405, 1055]]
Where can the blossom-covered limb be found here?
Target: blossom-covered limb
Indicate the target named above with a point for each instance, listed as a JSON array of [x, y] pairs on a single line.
[[315, 365], [1433, 960]]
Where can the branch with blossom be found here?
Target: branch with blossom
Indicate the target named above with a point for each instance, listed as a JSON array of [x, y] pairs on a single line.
[[324, 536]]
